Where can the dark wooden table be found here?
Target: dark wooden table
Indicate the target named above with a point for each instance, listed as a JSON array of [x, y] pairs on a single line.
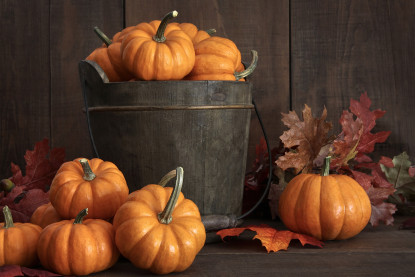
[[379, 251]]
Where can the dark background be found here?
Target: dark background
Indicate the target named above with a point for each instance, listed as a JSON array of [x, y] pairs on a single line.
[[320, 53]]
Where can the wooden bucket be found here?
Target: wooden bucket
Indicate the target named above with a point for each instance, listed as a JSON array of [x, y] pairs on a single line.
[[148, 128]]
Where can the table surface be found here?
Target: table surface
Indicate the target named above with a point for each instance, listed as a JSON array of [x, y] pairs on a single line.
[[376, 251]]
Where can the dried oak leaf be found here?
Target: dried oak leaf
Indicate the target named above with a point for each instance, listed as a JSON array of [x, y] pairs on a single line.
[[304, 138], [272, 239], [31, 190], [16, 270], [356, 139]]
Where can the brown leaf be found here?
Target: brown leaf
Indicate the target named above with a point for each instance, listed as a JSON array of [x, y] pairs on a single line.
[[272, 239], [305, 138]]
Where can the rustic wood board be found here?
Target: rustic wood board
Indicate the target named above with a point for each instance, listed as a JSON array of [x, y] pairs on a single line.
[[341, 49], [24, 80], [377, 251]]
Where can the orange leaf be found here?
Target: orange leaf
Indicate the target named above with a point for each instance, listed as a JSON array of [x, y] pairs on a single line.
[[272, 239]]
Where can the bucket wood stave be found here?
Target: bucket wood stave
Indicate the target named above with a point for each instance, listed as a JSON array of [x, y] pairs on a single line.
[[148, 128]]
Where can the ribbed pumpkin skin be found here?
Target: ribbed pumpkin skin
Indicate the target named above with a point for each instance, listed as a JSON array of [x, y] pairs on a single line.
[[147, 59], [18, 244], [109, 59], [45, 215], [332, 207], [192, 31], [77, 249], [217, 58], [149, 244], [69, 192]]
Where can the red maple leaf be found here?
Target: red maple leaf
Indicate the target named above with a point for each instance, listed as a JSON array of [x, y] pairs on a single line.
[[31, 190], [272, 239]]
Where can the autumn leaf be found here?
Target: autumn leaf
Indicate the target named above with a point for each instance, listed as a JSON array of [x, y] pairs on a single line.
[[272, 239], [356, 139], [31, 190], [16, 270], [305, 139]]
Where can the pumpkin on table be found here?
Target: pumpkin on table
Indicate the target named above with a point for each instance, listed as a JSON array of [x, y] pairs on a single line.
[[18, 241], [95, 184], [327, 207], [158, 51], [44, 215], [158, 229], [218, 58], [77, 246], [108, 57]]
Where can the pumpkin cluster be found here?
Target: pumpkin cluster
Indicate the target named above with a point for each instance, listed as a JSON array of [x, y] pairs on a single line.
[[160, 50], [156, 228]]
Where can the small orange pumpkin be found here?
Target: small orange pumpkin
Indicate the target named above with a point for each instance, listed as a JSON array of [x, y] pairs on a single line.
[[327, 207], [158, 51], [77, 246], [158, 229], [96, 184], [193, 32], [218, 58], [44, 215], [18, 241], [108, 57]]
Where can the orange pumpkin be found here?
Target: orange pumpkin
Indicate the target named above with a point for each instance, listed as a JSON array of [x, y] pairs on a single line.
[[158, 51], [108, 57], [158, 229], [44, 215], [96, 184], [327, 207], [77, 246], [218, 58], [193, 32], [18, 241]]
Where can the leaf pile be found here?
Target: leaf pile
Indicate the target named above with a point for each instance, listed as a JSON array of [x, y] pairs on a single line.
[[31, 190], [272, 239], [388, 181]]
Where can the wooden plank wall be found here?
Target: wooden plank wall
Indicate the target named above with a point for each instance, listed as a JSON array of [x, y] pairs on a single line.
[[319, 53]]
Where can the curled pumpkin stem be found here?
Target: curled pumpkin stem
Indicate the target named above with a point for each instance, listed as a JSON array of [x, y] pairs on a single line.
[[165, 216], [80, 216], [250, 69], [8, 219], [166, 178], [102, 36], [88, 174], [159, 37]]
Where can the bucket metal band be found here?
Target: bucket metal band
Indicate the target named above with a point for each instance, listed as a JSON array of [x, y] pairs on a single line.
[[163, 108]]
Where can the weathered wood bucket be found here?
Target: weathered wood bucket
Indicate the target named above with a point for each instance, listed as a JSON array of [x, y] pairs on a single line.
[[148, 128]]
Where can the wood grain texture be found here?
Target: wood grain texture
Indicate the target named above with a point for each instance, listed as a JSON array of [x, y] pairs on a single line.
[[380, 251], [72, 39], [260, 25], [341, 49], [24, 80]]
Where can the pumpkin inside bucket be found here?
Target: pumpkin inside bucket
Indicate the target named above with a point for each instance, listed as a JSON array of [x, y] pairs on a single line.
[[149, 127]]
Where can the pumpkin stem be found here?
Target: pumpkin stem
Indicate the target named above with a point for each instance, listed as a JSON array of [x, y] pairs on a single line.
[[8, 219], [102, 36], [210, 31], [166, 178], [325, 171], [159, 37], [80, 216], [165, 216], [88, 174], [251, 67]]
